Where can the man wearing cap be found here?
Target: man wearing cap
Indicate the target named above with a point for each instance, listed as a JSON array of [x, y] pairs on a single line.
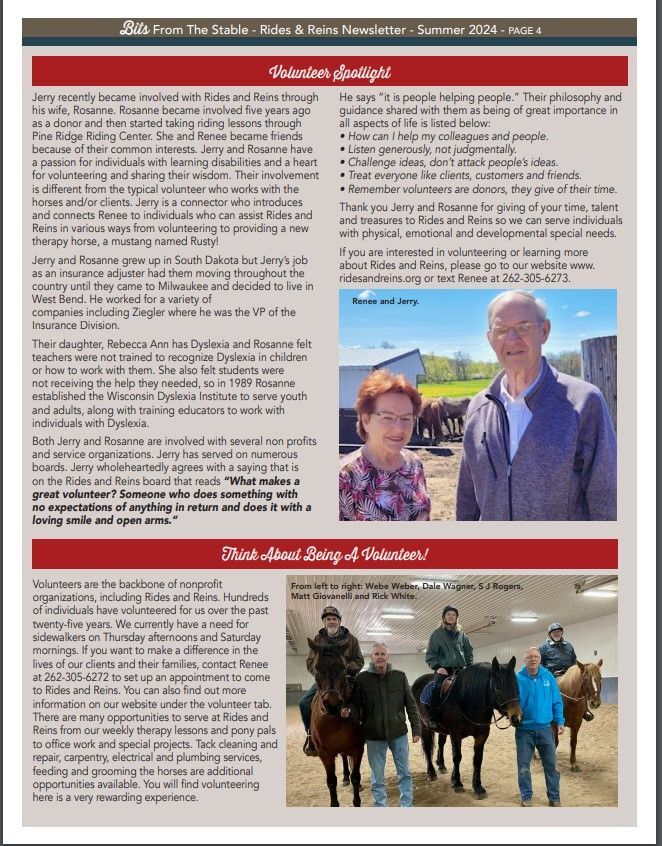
[[557, 655], [335, 634], [449, 651]]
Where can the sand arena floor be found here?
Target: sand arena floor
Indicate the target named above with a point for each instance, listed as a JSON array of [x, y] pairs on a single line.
[[594, 786]]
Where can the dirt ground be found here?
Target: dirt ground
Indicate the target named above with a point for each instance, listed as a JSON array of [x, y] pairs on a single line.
[[441, 465], [594, 786]]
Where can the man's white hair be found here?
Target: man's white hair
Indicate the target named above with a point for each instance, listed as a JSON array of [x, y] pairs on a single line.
[[538, 304], [377, 644], [531, 649]]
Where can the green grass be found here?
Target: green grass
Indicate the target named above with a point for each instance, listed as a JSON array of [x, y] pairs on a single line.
[[468, 388]]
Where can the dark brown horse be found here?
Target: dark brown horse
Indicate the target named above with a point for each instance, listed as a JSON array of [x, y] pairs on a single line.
[[333, 734], [467, 710], [580, 688], [430, 417]]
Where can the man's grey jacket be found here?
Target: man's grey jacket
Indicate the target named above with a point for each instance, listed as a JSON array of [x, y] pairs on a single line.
[[564, 467]]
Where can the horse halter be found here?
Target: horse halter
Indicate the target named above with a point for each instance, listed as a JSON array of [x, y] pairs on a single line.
[[586, 696], [500, 707], [340, 694]]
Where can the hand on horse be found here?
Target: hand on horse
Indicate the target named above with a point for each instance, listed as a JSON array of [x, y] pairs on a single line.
[[416, 738], [561, 729], [345, 712]]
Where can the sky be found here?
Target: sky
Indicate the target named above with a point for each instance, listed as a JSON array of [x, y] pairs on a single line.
[[445, 321]]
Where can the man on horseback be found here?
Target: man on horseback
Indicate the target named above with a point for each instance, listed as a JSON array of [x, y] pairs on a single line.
[[557, 655], [449, 651], [332, 633], [541, 703], [381, 696]]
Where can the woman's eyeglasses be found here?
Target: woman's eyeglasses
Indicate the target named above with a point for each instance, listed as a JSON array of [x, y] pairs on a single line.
[[391, 419]]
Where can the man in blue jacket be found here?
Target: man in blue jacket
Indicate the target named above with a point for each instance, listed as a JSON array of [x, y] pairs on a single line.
[[541, 703]]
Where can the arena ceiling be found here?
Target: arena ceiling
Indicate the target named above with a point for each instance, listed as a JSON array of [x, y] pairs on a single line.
[[485, 613]]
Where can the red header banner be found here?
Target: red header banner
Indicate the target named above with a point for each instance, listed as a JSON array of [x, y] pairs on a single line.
[[326, 553], [379, 71]]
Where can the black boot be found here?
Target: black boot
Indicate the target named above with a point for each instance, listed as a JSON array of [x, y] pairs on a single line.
[[309, 747]]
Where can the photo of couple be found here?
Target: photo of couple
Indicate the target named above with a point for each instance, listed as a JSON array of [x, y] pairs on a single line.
[[536, 443]]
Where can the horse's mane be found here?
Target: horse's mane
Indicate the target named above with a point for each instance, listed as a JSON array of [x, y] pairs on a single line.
[[570, 682], [473, 687]]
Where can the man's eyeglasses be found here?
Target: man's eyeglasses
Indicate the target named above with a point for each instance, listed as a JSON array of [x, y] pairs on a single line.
[[391, 419], [522, 329]]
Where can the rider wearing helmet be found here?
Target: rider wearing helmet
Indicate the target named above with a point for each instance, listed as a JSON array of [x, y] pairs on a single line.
[[332, 632], [558, 655], [448, 652]]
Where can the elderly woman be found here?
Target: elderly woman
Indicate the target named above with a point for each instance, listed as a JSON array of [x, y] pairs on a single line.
[[382, 480]]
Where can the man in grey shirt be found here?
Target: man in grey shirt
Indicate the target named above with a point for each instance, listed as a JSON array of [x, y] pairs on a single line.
[[538, 445]]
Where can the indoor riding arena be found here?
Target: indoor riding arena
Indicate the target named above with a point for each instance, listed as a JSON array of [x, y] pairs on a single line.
[[502, 616]]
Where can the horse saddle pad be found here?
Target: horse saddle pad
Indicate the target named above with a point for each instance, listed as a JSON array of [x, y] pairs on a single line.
[[426, 693]]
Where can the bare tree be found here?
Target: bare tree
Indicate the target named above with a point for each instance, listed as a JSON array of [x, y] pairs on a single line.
[[461, 362]]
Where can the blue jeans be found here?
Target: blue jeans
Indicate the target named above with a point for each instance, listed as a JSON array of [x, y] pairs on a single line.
[[377, 760], [306, 706], [526, 740]]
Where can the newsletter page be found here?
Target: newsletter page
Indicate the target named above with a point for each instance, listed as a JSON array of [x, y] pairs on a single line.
[[287, 286]]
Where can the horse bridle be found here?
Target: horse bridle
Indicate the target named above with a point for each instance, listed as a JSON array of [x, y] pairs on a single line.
[[586, 675], [499, 706], [343, 703]]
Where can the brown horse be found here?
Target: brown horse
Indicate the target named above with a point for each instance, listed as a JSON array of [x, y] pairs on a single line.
[[454, 409], [430, 417], [333, 734], [580, 688]]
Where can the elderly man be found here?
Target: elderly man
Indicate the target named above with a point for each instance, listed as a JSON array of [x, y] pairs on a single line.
[[557, 655], [538, 445], [541, 703], [332, 632], [381, 695]]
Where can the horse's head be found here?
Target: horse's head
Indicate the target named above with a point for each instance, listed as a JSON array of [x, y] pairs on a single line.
[[505, 690], [330, 670], [591, 682]]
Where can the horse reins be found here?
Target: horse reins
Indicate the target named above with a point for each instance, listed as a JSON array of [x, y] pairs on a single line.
[[494, 720]]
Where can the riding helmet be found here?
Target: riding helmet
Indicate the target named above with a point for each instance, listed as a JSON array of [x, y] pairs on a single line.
[[330, 611], [555, 627], [449, 608]]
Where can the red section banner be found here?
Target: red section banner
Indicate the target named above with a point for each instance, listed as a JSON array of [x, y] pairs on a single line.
[[330, 70], [326, 553]]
